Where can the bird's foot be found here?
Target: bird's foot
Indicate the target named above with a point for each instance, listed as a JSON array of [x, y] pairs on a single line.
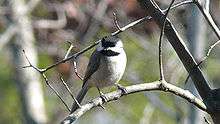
[[102, 95], [123, 89]]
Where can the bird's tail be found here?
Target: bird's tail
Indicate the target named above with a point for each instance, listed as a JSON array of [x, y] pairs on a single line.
[[79, 98]]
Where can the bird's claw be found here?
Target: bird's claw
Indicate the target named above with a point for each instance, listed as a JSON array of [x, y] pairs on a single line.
[[103, 97], [123, 89]]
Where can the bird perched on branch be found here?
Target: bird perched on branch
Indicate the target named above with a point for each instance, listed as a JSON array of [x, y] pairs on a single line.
[[106, 67]]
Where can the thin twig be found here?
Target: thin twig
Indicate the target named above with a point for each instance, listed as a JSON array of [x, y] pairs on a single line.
[[76, 71], [208, 18], [116, 22], [131, 25], [69, 50], [46, 80], [160, 42], [180, 48], [187, 79], [74, 61], [68, 89], [72, 56], [205, 58], [53, 89], [147, 18], [180, 4], [209, 51], [95, 43]]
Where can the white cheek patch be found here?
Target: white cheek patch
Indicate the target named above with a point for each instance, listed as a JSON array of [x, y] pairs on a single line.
[[119, 44], [115, 49]]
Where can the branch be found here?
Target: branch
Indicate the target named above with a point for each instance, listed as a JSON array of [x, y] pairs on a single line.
[[7, 35], [208, 18], [149, 17], [69, 49], [153, 86], [46, 80], [130, 25], [179, 46], [116, 21], [30, 6], [160, 42], [74, 56], [68, 89], [53, 24]]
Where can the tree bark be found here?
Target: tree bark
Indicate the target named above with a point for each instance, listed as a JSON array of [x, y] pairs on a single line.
[[27, 80]]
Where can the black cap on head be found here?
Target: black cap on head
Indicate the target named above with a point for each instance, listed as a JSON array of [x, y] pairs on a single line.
[[109, 41]]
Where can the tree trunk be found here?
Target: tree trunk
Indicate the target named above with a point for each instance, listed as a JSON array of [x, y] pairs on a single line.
[[27, 80]]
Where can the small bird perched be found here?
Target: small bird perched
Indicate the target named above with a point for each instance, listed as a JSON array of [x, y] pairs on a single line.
[[106, 67]]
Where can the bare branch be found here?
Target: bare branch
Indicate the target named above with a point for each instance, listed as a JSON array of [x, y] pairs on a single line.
[[180, 48], [180, 4], [112, 96], [74, 61], [31, 5], [53, 24], [46, 80], [72, 56], [116, 22], [76, 71], [208, 18], [209, 51], [130, 25], [148, 18], [95, 43], [160, 42], [204, 58], [7, 35], [68, 89], [69, 50]]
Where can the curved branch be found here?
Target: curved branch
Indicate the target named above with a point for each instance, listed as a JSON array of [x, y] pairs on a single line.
[[7, 35], [160, 42], [53, 24], [153, 86], [208, 18], [180, 48]]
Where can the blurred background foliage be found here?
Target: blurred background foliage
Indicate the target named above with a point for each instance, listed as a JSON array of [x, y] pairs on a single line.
[[54, 22]]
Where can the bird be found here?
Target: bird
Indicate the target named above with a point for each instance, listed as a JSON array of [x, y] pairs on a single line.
[[105, 68]]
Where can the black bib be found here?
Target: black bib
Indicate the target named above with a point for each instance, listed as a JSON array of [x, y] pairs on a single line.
[[109, 53]]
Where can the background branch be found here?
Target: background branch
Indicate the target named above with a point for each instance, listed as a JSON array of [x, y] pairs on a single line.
[[179, 46], [53, 24], [186, 58], [7, 35]]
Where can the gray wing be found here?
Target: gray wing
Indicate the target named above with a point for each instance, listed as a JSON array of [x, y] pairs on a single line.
[[93, 66]]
